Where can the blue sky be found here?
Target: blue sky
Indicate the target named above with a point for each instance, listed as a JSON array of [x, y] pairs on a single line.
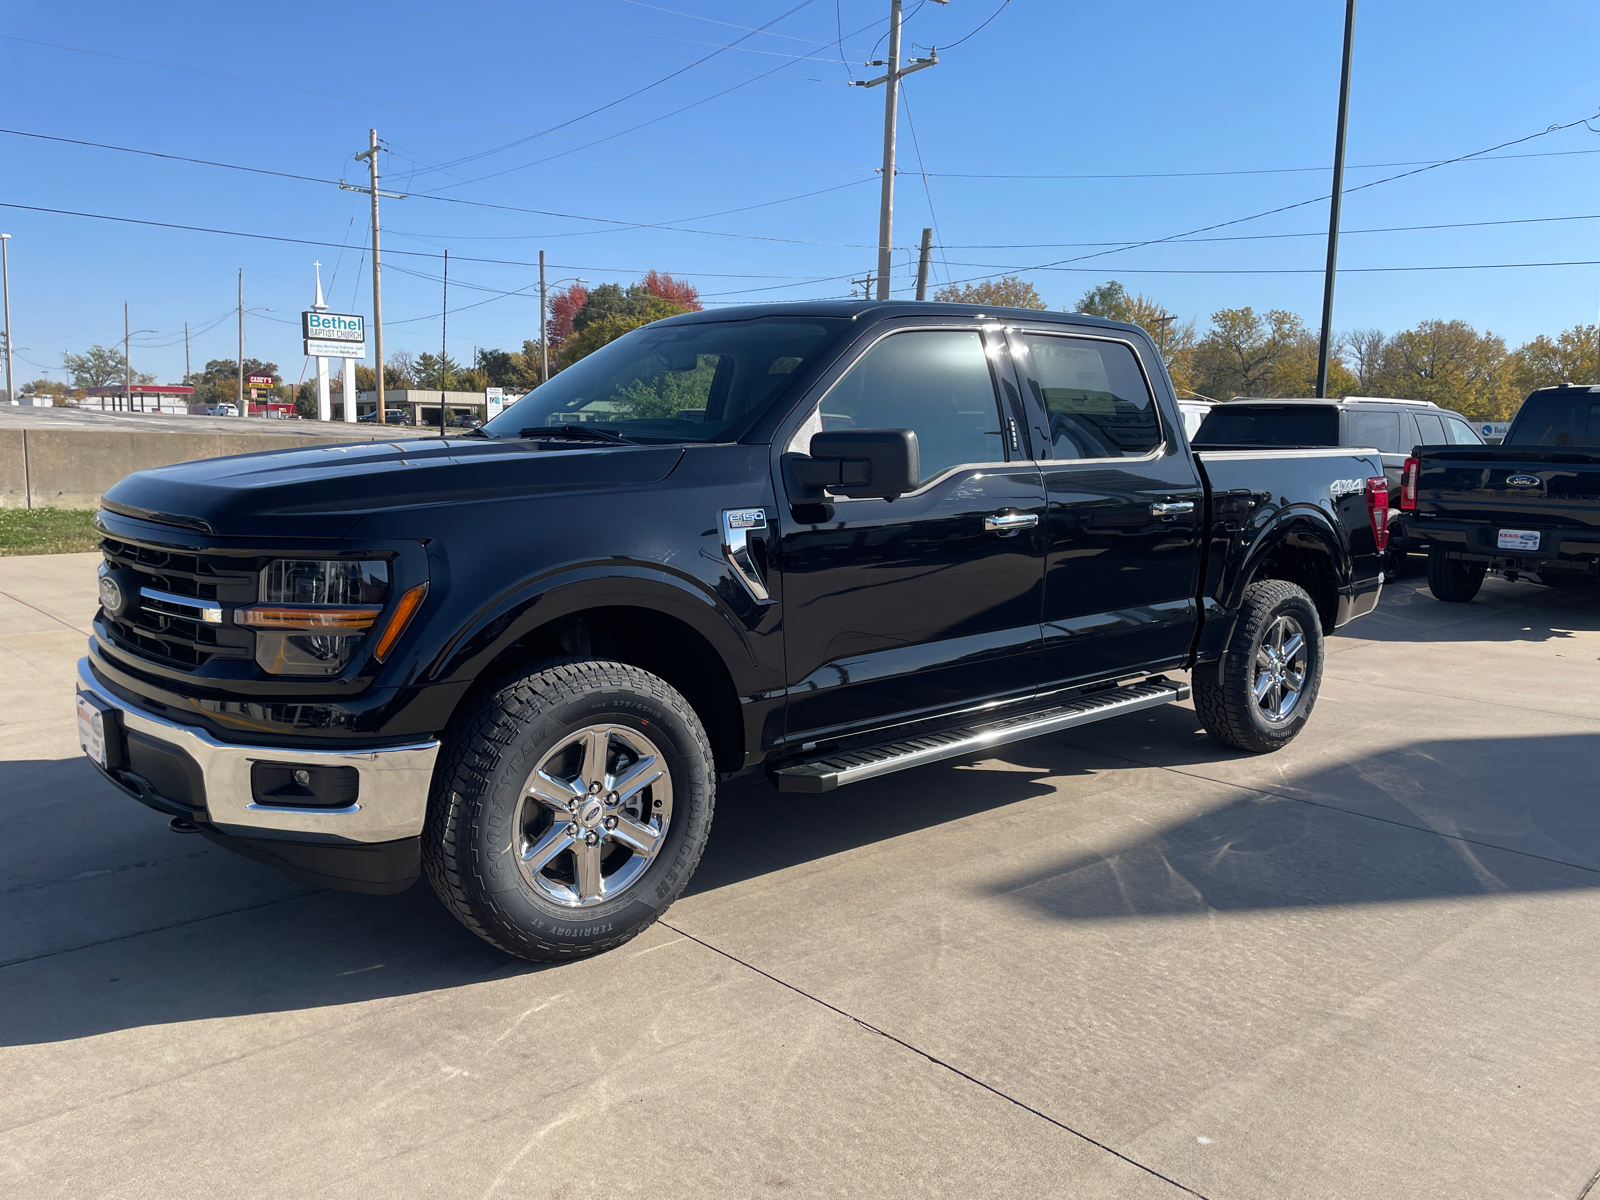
[[1048, 88]]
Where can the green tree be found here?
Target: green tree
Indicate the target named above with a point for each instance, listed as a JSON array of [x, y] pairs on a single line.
[[1453, 365], [435, 373], [1567, 357], [218, 381], [100, 366], [1006, 292], [515, 371], [597, 331], [1173, 338], [1247, 354]]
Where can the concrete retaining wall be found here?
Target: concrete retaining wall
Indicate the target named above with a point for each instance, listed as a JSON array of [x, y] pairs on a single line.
[[71, 466]]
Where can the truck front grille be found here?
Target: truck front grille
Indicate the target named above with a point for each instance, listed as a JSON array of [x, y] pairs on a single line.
[[173, 640]]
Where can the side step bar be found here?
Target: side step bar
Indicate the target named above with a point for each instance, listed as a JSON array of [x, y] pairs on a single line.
[[835, 770]]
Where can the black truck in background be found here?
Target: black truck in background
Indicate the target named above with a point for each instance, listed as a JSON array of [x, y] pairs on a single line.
[[822, 541], [1529, 507]]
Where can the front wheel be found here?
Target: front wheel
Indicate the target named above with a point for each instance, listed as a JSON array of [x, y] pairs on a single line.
[[1452, 579], [570, 806], [1259, 694]]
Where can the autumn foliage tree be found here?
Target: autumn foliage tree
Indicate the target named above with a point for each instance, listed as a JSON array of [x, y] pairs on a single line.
[[1006, 292]]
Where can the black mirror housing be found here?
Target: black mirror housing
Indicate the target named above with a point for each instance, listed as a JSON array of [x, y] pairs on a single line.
[[858, 463]]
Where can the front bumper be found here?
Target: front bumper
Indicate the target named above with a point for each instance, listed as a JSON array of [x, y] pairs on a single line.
[[188, 773]]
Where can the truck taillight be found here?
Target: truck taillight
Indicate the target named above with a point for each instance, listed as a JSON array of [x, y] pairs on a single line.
[[1408, 484], [1378, 509]]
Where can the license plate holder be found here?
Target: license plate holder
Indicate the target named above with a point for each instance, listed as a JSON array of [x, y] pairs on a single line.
[[1519, 539], [99, 727]]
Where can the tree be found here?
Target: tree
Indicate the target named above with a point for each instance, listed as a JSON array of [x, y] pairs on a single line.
[[597, 331], [100, 366], [564, 307], [1453, 365], [514, 371], [672, 290], [1108, 300], [1366, 348], [305, 400], [44, 387], [1568, 357], [1246, 354], [218, 381], [1006, 292], [432, 373], [1174, 339]]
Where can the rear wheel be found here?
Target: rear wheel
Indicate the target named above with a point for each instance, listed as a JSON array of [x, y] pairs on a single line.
[[1452, 579], [569, 809], [1259, 694]]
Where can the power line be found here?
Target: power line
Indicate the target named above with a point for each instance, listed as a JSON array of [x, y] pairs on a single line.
[[992, 16], [729, 24], [1425, 162]]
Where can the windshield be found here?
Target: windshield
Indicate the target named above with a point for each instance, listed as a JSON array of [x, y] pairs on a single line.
[[705, 382], [1570, 420], [1269, 425]]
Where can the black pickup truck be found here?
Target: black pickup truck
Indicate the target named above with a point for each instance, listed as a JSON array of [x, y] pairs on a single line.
[[822, 541], [1527, 507]]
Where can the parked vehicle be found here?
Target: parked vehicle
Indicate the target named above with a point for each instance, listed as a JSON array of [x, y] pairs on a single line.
[[822, 541], [1193, 413], [1389, 426], [1528, 507], [221, 410], [391, 416]]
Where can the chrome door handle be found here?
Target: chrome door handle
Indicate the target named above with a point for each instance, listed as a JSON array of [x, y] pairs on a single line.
[[737, 523], [1010, 522], [1168, 509]]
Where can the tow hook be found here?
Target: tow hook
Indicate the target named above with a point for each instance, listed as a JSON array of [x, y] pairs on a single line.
[[179, 825]]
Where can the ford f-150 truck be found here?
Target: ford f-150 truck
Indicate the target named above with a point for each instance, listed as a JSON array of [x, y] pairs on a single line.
[[1529, 506], [823, 541]]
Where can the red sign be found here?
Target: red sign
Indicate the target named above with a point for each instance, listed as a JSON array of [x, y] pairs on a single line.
[[260, 381]]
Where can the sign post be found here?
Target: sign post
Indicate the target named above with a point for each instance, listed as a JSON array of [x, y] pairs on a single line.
[[335, 335], [494, 399]]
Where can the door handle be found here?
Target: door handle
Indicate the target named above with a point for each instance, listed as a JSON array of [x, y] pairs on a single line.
[[1010, 522], [1168, 509]]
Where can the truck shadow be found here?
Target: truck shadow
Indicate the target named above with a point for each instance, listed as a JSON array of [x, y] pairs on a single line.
[[1366, 831], [1424, 821]]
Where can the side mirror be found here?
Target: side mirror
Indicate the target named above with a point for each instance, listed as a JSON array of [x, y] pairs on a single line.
[[858, 463]]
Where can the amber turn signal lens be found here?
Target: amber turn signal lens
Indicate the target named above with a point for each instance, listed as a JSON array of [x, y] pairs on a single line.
[[403, 612], [274, 616]]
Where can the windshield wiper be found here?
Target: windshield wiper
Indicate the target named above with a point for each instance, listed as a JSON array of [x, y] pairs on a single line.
[[591, 432]]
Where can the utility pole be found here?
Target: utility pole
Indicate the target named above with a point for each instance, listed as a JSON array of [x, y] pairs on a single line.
[[127, 362], [1165, 322], [370, 156], [444, 343], [244, 407], [922, 264], [186, 350], [5, 274], [891, 111], [1324, 345], [544, 346]]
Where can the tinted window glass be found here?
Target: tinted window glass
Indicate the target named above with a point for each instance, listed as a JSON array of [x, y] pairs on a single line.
[[1556, 421], [1460, 433], [1096, 398], [676, 383], [1431, 430], [934, 382], [1380, 430], [1270, 425]]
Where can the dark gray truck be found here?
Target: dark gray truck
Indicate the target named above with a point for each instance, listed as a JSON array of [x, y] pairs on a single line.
[[1529, 507]]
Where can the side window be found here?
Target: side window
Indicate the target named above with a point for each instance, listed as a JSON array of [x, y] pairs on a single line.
[[934, 382], [1380, 430], [1461, 434], [1095, 397], [1432, 430]]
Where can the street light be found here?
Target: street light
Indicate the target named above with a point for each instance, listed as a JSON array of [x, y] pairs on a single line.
[[544, 309]]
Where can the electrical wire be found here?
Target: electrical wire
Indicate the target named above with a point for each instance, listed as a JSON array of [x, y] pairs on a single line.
[[729, 24], [905, 99], [992, 16]]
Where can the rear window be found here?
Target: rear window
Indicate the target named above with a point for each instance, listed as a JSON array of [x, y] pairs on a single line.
[[1572, 420], [1270, 425]]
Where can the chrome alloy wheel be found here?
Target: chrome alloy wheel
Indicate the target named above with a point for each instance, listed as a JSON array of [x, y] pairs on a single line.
[[593, 816], [1280, 675]]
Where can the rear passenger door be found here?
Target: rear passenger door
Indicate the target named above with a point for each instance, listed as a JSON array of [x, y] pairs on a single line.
[[1381, 429], [1125, 503]]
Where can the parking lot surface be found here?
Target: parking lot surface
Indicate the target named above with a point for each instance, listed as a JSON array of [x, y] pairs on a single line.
[[1116, 962]]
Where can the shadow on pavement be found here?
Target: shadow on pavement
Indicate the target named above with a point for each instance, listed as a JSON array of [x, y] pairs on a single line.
[[1309, 840]]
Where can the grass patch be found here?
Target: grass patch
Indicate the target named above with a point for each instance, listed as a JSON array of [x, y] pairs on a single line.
[[46, 531]]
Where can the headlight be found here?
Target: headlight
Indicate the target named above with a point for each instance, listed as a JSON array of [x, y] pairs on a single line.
[[315, 612]]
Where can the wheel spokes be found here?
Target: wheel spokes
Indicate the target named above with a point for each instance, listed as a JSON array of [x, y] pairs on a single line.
[[536, 857], [1263, 685], [636, 836], [1291, 648], [586, 876], [596, 743], [636, 778], [552, 792]]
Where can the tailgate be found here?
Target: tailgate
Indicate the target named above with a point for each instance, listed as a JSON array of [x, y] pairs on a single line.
[[1512, 486]]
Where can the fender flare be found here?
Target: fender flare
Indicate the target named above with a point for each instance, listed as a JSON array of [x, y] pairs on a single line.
[[572, 588]]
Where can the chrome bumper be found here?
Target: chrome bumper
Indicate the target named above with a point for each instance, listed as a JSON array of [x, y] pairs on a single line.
[[391, 799]]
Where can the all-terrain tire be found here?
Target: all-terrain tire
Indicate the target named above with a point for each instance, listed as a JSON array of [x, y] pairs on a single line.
[[1452, 579], [1224, 695], [476, 807]]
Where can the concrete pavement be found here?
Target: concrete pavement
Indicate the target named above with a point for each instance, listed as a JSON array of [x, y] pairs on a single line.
[[1116, 962]]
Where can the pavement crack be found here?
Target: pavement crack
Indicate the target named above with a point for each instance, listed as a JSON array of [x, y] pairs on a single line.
[[1589, 1187], [936, 1061], [43, 613]]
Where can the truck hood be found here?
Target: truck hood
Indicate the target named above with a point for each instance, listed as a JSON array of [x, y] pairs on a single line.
[[322, 491]]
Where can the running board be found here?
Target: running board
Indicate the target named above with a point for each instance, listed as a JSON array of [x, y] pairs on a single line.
[[835, 770]]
